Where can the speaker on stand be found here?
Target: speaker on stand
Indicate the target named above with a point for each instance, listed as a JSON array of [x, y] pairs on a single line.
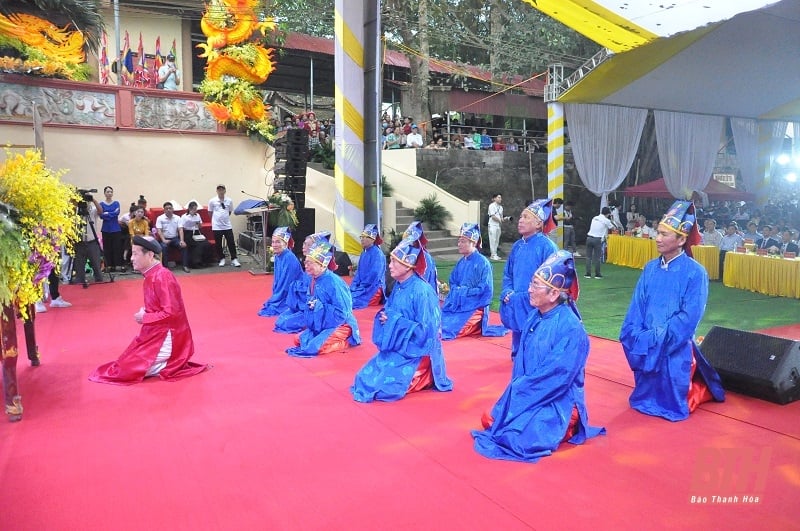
[[755, 364]]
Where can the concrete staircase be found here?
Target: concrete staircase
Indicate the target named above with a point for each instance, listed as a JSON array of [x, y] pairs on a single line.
[[441, 244]]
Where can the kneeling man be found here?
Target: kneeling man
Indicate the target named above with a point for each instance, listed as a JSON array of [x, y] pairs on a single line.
[[544, 405], [164, 344], [466, 308], [369, 282], [406, 332], [287, 270], [328, 317]]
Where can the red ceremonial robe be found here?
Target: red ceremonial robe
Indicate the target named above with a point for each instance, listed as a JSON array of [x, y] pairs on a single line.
[[164, 312]]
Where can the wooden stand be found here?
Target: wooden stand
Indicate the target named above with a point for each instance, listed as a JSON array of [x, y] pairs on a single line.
[[264, 211]]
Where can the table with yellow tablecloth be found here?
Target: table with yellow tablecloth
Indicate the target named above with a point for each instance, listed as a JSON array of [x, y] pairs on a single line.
[[763, 274], [708, 257], [630, 251]]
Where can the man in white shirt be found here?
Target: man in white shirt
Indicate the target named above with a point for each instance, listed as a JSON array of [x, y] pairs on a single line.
[[168, 226], [220, 208], [598, 231], [168, 74], [495, 219], [414, 138], [711, 236]]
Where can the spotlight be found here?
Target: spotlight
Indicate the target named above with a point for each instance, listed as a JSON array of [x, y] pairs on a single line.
[[783, 159], [791, 177]]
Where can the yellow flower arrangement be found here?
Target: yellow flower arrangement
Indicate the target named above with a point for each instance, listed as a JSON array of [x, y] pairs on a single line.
[[38, 220]]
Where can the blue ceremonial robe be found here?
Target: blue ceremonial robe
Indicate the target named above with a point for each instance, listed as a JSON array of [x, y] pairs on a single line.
[[532, 415], [471, 289], [292, 319], [527, 254], [658, 337], [369, 278], [333, 307], [411, 331], [287, 270]]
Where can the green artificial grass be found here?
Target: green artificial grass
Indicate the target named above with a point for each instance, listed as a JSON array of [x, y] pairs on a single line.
[[604, 302]]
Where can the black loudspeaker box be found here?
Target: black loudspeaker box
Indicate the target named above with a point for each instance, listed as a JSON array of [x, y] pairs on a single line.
[[755, 364], [306, 227], [299, 199]]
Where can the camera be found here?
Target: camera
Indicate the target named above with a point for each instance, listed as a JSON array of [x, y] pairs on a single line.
[[508, 218], [86, 193]]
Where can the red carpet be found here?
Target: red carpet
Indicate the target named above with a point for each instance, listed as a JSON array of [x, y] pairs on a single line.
[[265, 441]]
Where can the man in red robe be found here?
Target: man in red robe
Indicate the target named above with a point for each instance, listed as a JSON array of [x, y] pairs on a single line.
[[164, 344]]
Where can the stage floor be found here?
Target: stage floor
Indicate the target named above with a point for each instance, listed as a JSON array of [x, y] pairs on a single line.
[[266, 441]]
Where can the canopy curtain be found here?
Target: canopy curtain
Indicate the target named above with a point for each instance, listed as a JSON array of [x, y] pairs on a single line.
[[687, 149], [746, 139], [604, 141]]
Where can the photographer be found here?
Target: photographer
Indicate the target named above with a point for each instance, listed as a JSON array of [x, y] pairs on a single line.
[[495, 219], [169, 77], [88, 247], [598, 231]]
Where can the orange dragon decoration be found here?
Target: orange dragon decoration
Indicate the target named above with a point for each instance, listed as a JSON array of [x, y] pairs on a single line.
[[235, 65], [42, 47]]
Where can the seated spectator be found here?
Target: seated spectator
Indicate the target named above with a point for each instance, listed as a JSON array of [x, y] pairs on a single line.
[[286, 271], [512, 145], [139, 225], [198, 248], [468, 143], [439, 144], [787, 245], [457, 140], [431, 145], [711, 236], [406, 333], [729, 242], [466, 308], [168, 226], [752, 233], [499, 144], [486, 141], [329, 322], [414, 139], [769, 240], [544, 404], [392, 141], [369, 283], [476, 139]]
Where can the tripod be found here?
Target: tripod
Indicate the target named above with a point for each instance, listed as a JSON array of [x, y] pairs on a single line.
[[87, 253]]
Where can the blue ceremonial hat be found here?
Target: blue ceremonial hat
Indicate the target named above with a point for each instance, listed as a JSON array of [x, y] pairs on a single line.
[[371, 231], [410, 254], [284, 234], [543, 209], [321, 252], [558, 272], [415, 232], [472, 232], [681, 219], [321, 235]]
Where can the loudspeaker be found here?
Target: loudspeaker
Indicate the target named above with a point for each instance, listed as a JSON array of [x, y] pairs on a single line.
[[296, 152], [343, 263], [755, 364], [306, 226], [299, 199], [295, 183]]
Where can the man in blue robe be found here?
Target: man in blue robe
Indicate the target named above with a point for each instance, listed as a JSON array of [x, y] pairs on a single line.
[[414, 232], [527, 254], [544, 404], [328, 316], [292, 319], [466, 308], [369, 283], [407, 334], [671, 375], [286, 271]]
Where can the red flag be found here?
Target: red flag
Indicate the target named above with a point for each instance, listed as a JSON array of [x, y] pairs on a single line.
[[158, 62], [103, 70]]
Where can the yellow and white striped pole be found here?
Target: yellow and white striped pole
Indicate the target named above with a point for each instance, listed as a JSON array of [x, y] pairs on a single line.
[[349, 139], [555, 158]]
